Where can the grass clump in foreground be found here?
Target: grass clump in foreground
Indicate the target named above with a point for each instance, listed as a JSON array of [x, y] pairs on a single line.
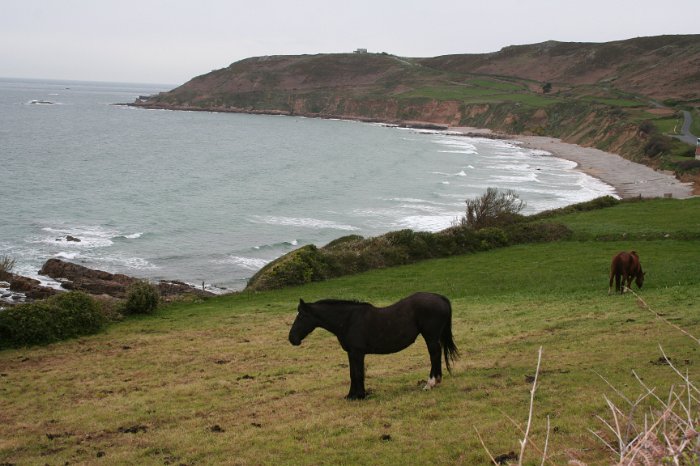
[[218, 383]]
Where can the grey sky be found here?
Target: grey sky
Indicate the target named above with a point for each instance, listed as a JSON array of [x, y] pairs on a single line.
[[170, 42]]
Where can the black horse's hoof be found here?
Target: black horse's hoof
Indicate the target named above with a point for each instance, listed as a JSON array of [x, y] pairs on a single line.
[[356, 396]]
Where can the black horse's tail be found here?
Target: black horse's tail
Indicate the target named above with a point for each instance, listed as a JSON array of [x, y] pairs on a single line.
[[448, 344]]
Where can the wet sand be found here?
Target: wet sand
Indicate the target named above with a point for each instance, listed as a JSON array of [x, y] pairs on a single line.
[[628, 178]]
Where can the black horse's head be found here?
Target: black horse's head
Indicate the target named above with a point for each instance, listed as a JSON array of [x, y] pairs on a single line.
[[304, 324]]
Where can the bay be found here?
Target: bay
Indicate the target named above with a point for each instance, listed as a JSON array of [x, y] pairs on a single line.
[[211, 197]]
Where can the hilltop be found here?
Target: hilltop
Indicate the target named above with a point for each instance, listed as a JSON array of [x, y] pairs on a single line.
[[662, 67], [624, 97]]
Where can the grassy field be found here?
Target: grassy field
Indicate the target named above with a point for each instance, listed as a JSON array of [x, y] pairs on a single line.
[[216, 381]]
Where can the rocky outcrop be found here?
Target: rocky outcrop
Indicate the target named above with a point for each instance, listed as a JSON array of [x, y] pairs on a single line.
[[16, 288], [98, 282]]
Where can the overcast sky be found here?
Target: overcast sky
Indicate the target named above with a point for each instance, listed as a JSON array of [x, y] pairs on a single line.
[[169, 42]]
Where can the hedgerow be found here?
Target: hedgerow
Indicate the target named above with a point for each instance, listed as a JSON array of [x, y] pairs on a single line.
[[59, 317]]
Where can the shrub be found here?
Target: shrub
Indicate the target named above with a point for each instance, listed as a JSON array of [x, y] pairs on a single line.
[[300, 266], [687, 165], [494, 208], [647, 127], [657, 144], [492, 238], [6, 266], [537, 232], [63, 316], [141, 298], [343, 240], [594, 204]]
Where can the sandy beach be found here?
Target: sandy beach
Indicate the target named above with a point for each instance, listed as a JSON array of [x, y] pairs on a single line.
[[628, 178]]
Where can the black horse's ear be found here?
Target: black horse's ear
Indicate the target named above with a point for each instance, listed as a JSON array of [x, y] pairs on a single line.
[[301, 302]]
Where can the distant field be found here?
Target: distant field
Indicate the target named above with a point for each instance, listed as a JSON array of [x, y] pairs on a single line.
[[616, 102], [216, 381], [486, 92]]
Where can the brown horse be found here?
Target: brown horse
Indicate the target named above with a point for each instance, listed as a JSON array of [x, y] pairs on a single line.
[[627, 266]]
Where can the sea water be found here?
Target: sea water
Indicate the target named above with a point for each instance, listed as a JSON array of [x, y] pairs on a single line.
[[212, 197]]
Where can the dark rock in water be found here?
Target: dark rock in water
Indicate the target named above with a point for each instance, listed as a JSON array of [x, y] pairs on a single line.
[[72, 238], [30, 288], [19, 283], [98, 282], [82, 278]]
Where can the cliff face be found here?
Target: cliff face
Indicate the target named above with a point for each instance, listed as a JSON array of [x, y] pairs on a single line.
[[591, 94]]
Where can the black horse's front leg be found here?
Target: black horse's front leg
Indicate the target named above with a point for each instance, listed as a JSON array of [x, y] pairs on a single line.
[[357, 375]]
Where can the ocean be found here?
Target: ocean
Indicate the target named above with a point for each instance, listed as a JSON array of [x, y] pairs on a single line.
[[212, 197]]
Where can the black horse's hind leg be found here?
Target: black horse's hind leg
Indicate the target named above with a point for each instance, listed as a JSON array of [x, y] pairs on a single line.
[[357, 376], [435, 351]]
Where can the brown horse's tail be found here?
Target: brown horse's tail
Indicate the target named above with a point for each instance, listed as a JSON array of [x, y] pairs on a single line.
[[448, 344]]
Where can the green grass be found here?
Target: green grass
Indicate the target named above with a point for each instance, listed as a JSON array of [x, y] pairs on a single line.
[[175, 376], [500, 85], [449, 92], [695, 125], [669, 125], [615, 102], [669, 218], [491, 92]]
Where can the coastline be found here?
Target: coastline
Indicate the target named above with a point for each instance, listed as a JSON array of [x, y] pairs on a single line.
[[629, 179]]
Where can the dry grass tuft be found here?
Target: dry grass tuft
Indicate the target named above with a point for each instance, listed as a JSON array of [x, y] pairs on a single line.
[[652, 430], [648, 431]]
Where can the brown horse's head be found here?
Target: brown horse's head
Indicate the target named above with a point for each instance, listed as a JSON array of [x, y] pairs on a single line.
[[639, 280]]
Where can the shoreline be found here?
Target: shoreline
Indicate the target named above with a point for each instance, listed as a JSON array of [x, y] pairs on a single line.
[[630, 179]]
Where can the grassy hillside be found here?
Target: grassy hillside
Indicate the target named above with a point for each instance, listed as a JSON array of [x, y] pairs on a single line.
[[216, 382]]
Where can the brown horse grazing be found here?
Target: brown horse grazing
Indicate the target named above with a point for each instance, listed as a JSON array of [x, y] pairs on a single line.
[[627, 266]]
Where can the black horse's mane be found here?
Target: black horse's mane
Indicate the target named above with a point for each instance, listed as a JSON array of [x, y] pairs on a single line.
[[342, 302]]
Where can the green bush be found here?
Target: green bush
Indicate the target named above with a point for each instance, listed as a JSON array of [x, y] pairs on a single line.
[[657, 145], [141, 298], [300, 266], [594, 204], [492, 238], [63, 316], [688, 165], [537, 232], [494, 208], [6, 266], [343, 240]]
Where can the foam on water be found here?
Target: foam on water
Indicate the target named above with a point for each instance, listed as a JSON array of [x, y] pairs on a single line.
[[303, 222], [67, 255], [248, 263], [282, 244], [89, 236], [428, 222]]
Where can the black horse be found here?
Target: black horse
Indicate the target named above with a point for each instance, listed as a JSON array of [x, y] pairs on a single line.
[[364, 329]]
